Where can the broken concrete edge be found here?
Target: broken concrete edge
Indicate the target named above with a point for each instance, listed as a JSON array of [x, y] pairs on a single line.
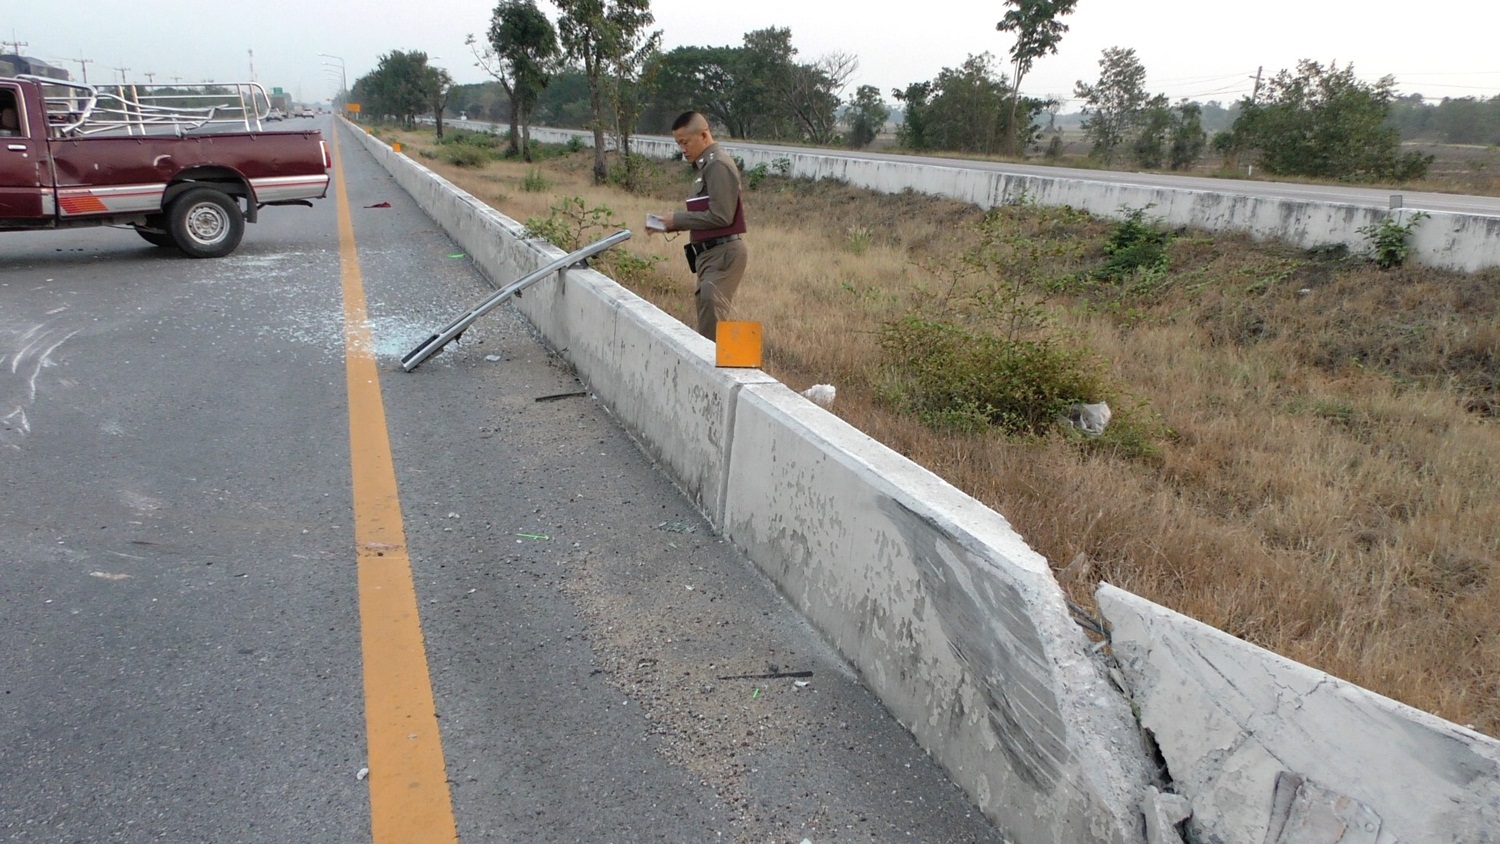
[[1238, 724], [1460, 242], [952, 620], [957, 626]]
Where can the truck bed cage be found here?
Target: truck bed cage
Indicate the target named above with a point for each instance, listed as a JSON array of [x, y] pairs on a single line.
[[76, 109]]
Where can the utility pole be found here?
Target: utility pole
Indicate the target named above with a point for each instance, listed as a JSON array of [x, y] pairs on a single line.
[[83, 66], [1255, 94], [16, 45], [252, 64], [122, 71], [150, 78]]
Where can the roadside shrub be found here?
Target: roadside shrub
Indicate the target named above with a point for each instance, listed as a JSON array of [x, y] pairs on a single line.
[[463, 155], [756, 175], [468, 137], [535, 182], [570, 225], [1388, 240], [1136, 246], [957, 378], [634, 172]]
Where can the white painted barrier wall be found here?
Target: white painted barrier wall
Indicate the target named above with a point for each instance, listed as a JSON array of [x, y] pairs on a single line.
[[1464, 242], [960, 628]]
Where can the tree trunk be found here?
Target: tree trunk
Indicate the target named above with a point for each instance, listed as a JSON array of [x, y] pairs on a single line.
[[515, 120], [595, 73], [525, 134]]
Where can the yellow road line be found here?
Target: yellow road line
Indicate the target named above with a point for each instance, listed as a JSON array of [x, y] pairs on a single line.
[[409, 800]]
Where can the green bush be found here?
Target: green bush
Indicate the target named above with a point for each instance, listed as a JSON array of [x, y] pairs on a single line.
[[463, 155], [1388, 240], [467, 137], [535, 181], [570, 225], [1135, 247], [954, 377], [756, 175]]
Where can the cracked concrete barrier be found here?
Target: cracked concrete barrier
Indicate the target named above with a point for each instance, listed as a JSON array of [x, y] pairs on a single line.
[[1269, 750], [951, 619]]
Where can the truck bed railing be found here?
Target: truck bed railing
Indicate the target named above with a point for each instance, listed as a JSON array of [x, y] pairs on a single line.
[[76, 109]]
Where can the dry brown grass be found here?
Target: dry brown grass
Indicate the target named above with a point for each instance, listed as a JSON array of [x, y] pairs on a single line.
[[1328, 488]]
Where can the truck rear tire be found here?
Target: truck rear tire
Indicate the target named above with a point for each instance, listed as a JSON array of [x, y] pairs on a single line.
[[205, 223]]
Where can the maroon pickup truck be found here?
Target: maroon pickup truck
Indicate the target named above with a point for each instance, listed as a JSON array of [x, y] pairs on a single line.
[[185, 166]]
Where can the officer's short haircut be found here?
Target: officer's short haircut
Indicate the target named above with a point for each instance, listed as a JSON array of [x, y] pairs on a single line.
[[685, 118]]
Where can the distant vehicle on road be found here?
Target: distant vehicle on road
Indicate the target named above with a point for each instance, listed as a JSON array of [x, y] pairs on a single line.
[[76, 155], [276, 114], [307, 111]]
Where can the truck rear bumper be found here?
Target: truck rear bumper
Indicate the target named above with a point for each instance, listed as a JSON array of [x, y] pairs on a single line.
[[282, 188]]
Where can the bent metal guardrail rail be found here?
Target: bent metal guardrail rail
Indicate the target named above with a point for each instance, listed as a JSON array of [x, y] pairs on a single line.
[[412, 359]]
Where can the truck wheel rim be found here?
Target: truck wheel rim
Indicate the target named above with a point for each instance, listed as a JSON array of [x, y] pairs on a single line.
[[207, 223]]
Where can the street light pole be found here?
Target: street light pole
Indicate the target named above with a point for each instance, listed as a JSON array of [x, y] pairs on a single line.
[[343, 78]]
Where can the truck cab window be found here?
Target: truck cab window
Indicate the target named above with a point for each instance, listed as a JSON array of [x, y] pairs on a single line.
[[10, 116]]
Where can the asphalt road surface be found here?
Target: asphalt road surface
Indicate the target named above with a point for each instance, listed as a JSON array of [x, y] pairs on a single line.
[[202, 629]]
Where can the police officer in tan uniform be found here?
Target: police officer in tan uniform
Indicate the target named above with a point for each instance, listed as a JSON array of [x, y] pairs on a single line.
[[715, 220]]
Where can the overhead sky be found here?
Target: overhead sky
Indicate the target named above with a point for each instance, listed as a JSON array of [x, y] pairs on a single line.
[[1190, 49]]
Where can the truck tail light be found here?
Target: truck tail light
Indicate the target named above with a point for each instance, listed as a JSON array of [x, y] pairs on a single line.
[[327, 156]]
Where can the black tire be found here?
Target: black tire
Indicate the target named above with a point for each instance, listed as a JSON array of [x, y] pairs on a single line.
[[156, 238], [205, 223]]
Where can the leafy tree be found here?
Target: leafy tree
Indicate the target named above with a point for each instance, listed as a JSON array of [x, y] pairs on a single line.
[[705, 76], [1188, 137], [1169, 136], [866, 115], [565, 102], [521, 53], [811, 95], [1038, 31], [763, 65], [601, 34], [400, 87], [437, 83], [968, 107], [631, 76], [1326, 123], [964, 110], [1113, 105], [1468, 120], [1153, 124], [912, 133]]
